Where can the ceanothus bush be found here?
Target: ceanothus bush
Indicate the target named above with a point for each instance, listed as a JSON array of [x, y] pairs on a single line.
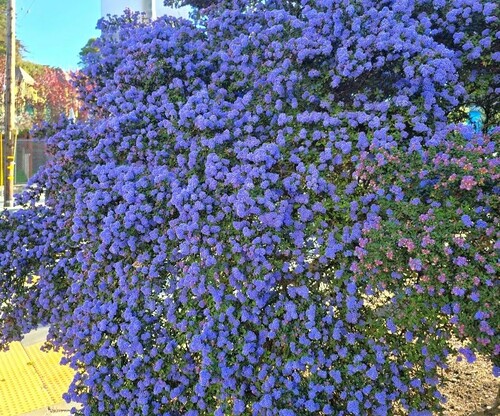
[[271, 211]]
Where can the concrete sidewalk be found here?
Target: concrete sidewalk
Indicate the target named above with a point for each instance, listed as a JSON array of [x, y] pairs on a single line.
[[62, 409]]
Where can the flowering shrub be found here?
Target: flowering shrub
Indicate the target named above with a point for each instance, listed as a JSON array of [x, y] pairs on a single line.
[[268, 213]]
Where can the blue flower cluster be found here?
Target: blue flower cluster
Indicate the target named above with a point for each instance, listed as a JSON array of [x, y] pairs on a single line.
[[268, 212]]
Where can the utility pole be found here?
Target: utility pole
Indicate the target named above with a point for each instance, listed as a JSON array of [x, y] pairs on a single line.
[[153, 10], [10, 113]]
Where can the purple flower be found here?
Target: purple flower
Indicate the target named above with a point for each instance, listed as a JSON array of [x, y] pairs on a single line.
[[468, 354], [468, 182], [391, 326], [372, 373], [460, 261], [467, 221], [415, 264], [353, 407], [213, 229]]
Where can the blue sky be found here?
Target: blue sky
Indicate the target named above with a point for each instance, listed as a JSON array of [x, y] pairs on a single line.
[[54, 31]]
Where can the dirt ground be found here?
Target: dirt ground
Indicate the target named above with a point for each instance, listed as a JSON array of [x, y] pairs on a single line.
[[472, 390]]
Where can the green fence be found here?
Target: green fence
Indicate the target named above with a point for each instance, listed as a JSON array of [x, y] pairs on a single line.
[[30, 156]]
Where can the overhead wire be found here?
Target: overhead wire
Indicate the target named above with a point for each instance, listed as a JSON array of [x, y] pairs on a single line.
[[27, 10]]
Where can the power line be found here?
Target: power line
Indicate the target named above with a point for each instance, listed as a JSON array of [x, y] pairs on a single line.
[[27, 10]]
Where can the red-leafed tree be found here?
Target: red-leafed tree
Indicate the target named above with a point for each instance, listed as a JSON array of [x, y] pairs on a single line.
[[50, 96], [54, 94]]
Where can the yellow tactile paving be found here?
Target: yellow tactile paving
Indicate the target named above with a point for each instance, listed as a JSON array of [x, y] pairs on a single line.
[[55, 377], [20, 387], [30, 379]]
